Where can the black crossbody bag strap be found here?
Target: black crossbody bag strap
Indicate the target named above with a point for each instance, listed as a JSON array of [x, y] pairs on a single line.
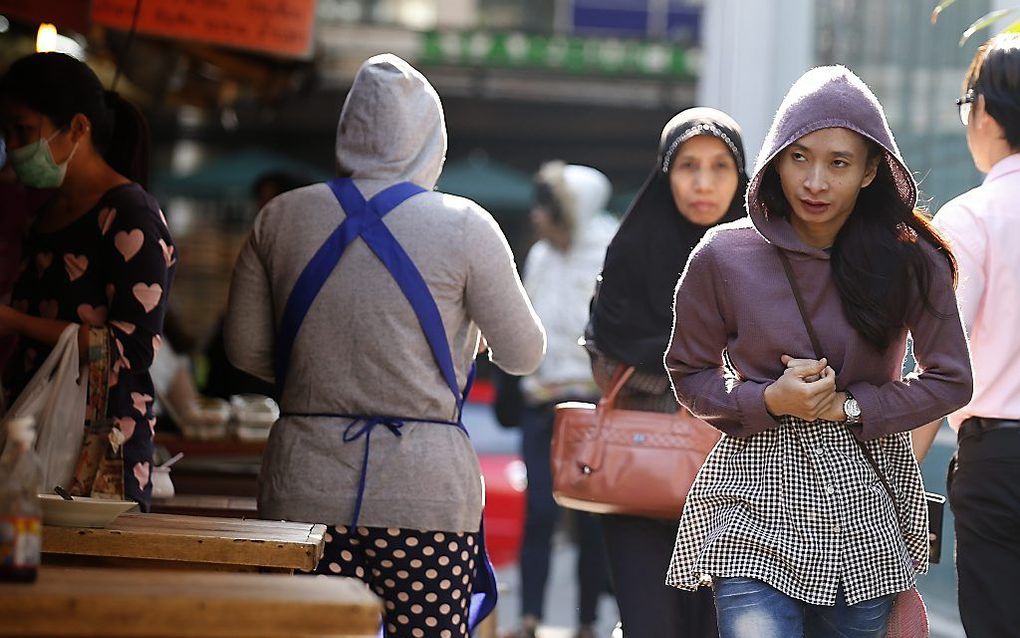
[[817, 346]]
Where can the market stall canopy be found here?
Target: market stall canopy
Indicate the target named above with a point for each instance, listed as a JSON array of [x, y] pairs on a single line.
[[233, 175], [492, 185]]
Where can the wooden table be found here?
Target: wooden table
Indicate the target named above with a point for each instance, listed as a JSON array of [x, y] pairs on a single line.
[[90, 602], [168, 540], [207, 505]]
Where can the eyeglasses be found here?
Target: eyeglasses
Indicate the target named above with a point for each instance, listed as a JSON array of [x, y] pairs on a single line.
[[964, 105]]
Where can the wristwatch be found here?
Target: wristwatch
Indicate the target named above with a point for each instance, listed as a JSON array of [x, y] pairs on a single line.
[[852, 410]]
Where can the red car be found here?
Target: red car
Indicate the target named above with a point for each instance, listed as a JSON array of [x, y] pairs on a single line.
[[506, 479]]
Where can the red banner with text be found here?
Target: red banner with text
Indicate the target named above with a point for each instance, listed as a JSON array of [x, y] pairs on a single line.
[[279, 27]]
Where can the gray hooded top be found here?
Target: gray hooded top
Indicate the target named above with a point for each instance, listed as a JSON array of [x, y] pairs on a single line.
[[734, 296], [360, 349]]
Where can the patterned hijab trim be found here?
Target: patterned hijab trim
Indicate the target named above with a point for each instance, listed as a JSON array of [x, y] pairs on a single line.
[[702, 128]]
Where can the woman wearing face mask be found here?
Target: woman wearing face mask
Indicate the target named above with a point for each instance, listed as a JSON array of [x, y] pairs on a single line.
[[698, 181], [98, 253], [809, 517]]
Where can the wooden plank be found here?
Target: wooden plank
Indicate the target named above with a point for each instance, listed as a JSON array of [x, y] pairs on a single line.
[[207, 505], [196, 539], [248, 528], [152, 604]]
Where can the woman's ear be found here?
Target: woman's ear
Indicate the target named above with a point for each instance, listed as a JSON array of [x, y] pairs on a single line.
[[871, 170], [80, 127], [982, 120]]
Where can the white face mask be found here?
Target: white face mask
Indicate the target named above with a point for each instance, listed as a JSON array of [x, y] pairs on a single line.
[[34, 165]]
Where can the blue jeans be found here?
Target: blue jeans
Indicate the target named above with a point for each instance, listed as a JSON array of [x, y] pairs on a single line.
[[749, 608]]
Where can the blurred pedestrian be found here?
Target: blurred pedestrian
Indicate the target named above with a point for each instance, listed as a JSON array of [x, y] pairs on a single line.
[[698, 181], [559, 273], [790, 337], [223, 380], [98, 253], [983, 226], [368, 314]]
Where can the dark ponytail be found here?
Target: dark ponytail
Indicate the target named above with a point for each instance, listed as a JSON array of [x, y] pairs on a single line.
[[60, 86], [878, 260], [127, 150]]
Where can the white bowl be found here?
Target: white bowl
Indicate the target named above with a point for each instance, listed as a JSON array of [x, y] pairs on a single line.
[[254, 411], [82, 511], [246, 433]]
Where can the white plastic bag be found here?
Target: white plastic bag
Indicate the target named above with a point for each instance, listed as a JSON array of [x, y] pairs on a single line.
[[56, 398]]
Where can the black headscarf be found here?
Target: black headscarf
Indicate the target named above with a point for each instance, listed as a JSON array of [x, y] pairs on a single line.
[[632, 313]]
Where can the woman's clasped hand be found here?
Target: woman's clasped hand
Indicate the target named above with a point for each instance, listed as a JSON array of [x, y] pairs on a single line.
[[806, 390]]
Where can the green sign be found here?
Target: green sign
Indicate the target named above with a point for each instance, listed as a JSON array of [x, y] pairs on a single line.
[[609, 56]]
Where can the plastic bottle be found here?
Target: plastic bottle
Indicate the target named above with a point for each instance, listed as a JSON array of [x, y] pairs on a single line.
[[21, 478]]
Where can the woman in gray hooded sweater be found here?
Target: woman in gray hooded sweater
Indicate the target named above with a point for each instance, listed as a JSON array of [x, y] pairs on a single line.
[[809, 516], [368, 314]]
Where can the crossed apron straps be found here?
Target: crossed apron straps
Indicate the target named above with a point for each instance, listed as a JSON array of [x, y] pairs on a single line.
[[364, 220]]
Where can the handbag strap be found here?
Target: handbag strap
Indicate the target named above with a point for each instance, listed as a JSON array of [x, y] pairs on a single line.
[[590, 458], [620, 377], [816, 345]]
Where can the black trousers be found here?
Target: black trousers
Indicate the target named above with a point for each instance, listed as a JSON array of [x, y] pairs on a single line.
[[985, 497], [639, 553], [541, 517]]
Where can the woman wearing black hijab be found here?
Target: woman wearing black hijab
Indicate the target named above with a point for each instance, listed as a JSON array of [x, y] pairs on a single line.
[[698, 181]]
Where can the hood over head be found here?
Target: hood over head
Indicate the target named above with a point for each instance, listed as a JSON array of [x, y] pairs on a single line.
[[632, 316], [391, 127], [579, 193], [824, 97]]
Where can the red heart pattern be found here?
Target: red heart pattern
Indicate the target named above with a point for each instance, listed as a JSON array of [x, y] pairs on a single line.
[[43, 261], [75, 265], [126, 425], [128, 243], [141, 473], [140, 402], [168, 253], [92, 316], [148, 295], [106, 217]]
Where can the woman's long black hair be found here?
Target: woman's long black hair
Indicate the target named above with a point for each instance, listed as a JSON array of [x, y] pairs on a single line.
[[877, 257], [60, 86]]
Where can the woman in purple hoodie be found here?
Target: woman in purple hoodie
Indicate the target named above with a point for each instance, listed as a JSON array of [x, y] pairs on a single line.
[[790, 332]]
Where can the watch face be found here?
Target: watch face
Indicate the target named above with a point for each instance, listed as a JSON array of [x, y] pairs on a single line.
[[852, 408]]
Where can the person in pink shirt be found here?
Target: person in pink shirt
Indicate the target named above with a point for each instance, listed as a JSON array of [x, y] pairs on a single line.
[[983, 227]]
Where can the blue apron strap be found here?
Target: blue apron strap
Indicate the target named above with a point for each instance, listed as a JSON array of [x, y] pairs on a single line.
[[395, 258], [359, 215], [363, 221], [484, 591]]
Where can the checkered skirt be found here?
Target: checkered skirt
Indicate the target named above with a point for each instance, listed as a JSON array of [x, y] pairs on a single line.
[[800, 508]]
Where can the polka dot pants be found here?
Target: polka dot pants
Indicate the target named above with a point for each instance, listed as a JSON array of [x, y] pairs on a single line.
[[424, 578]]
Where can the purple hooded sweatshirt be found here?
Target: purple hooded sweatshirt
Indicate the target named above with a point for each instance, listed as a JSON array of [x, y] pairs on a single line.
[[734, 296]]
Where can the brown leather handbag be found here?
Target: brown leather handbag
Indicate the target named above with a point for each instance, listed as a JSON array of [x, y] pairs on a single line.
[[612, 461]]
